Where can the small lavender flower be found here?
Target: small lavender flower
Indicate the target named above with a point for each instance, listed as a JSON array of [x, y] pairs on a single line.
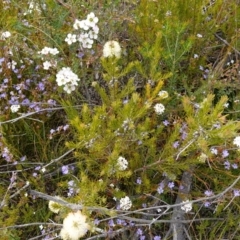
[[7, 155], [184, 135], [208, 193], [171, 185], [227, 165], [166, 123], [207, 204], [23, 158], [111, 223], [72, 188], [144, 205], [236, 192], [139, 181], [13, 178], [119, 221], [65, 127], [41, 86], [65, 169], [234, 166], [225, 153], [160, 188], [142, 237], [176, 144], [96, 221], [157, 238], [139, 232]]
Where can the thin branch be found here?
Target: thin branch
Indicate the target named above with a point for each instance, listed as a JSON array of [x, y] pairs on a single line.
[[227, 43], [57, 200], [108, 234], [178, 214], [145, 222], [72, 206], [183, 149], [31, 224], [59, 158]]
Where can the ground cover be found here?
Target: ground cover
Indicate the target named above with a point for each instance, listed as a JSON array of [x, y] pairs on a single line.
[[119, 119]]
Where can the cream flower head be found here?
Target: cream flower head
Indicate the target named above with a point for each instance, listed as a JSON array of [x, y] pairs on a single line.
[[112, 49], [54, 206], [74, 226]]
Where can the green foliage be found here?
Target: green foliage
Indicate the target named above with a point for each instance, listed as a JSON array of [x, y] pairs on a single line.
[[166, 46]]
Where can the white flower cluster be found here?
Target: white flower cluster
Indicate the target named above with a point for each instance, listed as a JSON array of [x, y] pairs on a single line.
[[5, 35], [54, 206], [112, 49], [159, 108], [68, 79], [125, 203], [88, 31], [33, 6], [187, 207], [122, 163], [15, 108], [46, 51], [236, 141], [74, 226]]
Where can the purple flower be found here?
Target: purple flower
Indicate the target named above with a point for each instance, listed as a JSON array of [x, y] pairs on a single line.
[[236, 192], [234, 166], [80, 54], [171, 185], [37, 168], [23, 158], [176, 144], [208, 193], [51, 102], [142, 237], [7, 155], [65, 169], [217, 125], [157, 238], [139, 180], [160, 189], [41, 86], [2, 60], [165, 122], [96, 221], [119, 221], [71, 183], [14, 177], [207, 204], [111, 223], [37, 108], [139, 232], [25, 102], [131, 224], [225, 153], [52, 131], [72, 188], [227, 165], [184, 135]]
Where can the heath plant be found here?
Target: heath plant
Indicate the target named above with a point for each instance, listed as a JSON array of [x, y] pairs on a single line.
[[119, 120]]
